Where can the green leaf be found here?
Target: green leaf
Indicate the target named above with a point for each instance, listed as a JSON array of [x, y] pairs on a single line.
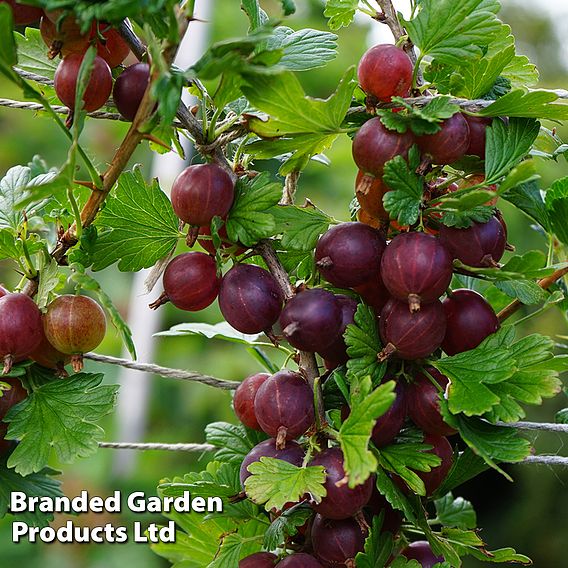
[[455, 512], [8, 53], [59, 415], [275, 482], [221, 331], [32, 54], [256, 15], [562, 416], [234, 441], [285, 526], [11, 185], [251, 219], [246, 540], [533, 104], [466, 466], [507, 145], [557, 208], [304, 49], [453, 31], [136, 228], [527, 198], [394, 495], [527, 292], [464, 219], [300, 227], [40, 484], [499, 556], [355, 433], [363, 345], [402, 458], [340, 12], [300, 264], [378, 546], [525, 172], [403, 202]]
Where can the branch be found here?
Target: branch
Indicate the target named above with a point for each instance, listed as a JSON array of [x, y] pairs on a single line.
[[541, 426], [545, 284], [546, 460], [165, 447], [165, 371]]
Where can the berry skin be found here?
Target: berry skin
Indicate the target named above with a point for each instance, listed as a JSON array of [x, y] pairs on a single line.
[[390, 423], [190, 282], [385, 71], [374, 293], [416, 268], [299, 560], [337, 542], [349, 254], [20, 328], [24, 15], [129, 89], [477, 134], [11, 397], [374, 145], [110, 45], [371, 202], [392, 519], [284, 406], [470, 319], [442, 448], [74, 325], [340, 501], [423, 400], [3, 291], [337, 351], [202, 192], [259, 560], [481, 245], [47, 356], [411, 335], [292, 453], [98, 89], [311, 320], [243, 401], [250, 298], [421, 551], [63, 38], [449, 144]]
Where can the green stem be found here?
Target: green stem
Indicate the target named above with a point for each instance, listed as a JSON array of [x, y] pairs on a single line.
[[416, 70], [211, 128]]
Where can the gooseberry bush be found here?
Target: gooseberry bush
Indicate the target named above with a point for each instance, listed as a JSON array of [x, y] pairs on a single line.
[[404, 373]]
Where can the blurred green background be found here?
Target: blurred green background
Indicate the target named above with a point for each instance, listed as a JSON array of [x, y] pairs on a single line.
[[529, 515]]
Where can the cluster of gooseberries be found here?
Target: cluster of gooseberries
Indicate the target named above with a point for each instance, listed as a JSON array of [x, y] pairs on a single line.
[[65, 37], [71, 325]]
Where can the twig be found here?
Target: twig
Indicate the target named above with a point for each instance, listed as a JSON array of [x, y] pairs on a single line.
[[290, 188], [545, 283], [542, 426], [546, 460], [165, 371], [164, 447]]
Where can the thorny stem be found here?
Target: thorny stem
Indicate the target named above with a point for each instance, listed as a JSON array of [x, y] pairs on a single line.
[[290, 188]]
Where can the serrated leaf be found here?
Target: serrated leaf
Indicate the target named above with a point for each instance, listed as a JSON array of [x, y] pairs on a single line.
[[527, 197], [340, 12], [246, 540], [394, 495], [136, 228], [557, 208], [525, 172], [59, 415], [300, 227], [527, 292], [274, 483], [366, 406], [533, 104], [453, 31], [11, 185], [32, 54], [466, 466], [363, 345], [220, 330], [455, 512], [234, 441], [285, 526]]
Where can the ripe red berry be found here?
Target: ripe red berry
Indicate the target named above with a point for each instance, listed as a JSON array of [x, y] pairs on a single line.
[[337, 351], [284, 406], [390, 423], [110, 45], [129, 89], [337, 542], [74, 325], [259, 560], [411, 335], [63, 38], [371, 202], [477, 135], [250, 298], [243, 401], [190, 282], [202, 192], [442, 448], [20, 328], [24, 15], [449, 144], [482, 244], [422, 552], [98, 89], [292, 453], [392, 519], [416, 268], [340, 501], [349, 254], [374, 145], [374, 293], [423, 399], [311, 320], [3, 291], [470, 319], [385, 71], [299, 560], [48, 356]]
